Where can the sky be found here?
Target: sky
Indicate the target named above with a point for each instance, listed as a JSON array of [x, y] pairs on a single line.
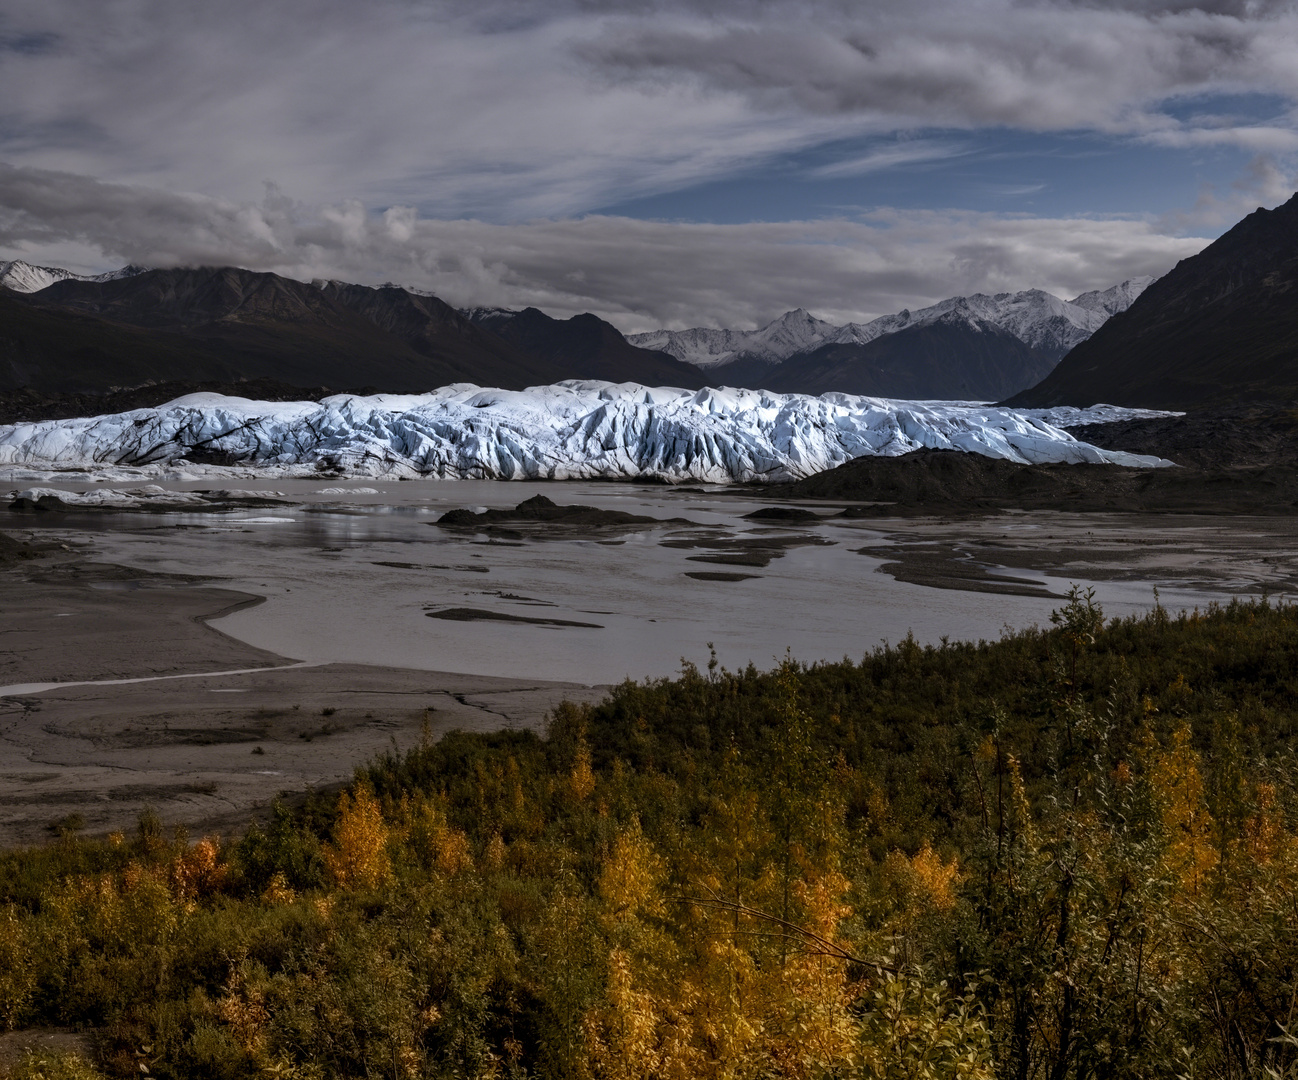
[[667, 163]]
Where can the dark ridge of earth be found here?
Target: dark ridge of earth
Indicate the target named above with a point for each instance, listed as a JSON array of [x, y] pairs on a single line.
[[215, 504], [543, 511], [27, 406], [1221, 438], [464, 614], [929, 482], [718, 575], [13, 550], [782, 513]]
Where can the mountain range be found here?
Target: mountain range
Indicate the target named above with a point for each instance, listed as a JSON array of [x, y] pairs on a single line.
[[65, 333], [225, 325], [1042, 321], [1219, 329], [23, 277], [976, 347]]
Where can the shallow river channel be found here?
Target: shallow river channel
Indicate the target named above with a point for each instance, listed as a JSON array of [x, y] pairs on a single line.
[[358, 571]]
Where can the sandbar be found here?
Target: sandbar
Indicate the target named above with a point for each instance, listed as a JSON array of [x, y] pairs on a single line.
[[207, 751]]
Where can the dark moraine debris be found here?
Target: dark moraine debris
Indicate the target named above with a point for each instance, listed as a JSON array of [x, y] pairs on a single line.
[[463, 614], [215, 501], [738, 558], [45, 504], [945, 566], [1248, 436], [431, 566], [718, 575], [13, 550], [542, 511], [782, 513], [742, 550], [928, 482]]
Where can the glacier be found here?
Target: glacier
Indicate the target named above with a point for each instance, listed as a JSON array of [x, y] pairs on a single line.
[[571, 430]]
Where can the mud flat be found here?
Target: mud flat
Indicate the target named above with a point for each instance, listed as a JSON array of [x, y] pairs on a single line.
[[351, 573], [153, 707], [1040, 554], [327, 653]]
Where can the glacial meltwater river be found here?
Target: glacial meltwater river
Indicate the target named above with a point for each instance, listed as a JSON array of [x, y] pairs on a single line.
[[351, 570]]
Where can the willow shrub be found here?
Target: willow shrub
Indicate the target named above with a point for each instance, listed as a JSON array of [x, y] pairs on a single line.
[[1070, 852]]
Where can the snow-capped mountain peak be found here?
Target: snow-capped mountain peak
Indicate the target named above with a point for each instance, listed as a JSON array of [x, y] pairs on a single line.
[[1119, 298], [793, 332], [128, 271], [24, 277], [1039, 319], [485, 314]]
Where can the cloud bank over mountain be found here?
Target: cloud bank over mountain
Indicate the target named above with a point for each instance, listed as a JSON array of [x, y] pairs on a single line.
[[475, 148], [640, 275]]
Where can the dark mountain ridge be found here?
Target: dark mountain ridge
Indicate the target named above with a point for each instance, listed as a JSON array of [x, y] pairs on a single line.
[[954, 357], [1220, 329], [227, 325], [591, 348]]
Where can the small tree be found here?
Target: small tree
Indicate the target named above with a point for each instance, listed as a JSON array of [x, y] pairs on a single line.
[[358, 857], [1079, 621]]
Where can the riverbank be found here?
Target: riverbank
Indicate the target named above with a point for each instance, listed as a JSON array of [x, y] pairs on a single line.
[[155, 708]]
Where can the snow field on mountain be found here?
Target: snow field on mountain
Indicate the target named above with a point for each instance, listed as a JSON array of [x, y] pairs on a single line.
[[571, 430], [23, 277], [1037, 318]]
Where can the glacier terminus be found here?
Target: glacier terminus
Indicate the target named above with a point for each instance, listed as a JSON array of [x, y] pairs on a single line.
[[569, 430]]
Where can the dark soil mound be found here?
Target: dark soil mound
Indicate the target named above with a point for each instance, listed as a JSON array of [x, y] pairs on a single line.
[[463, 614], [1221, 438], [13, 550], [948, 481], [541, 510], [782, 513]]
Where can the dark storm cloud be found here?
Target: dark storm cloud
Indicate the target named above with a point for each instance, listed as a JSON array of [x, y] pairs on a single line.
[[445, 105], [1239, 9], [32, 43], [1035, 66]]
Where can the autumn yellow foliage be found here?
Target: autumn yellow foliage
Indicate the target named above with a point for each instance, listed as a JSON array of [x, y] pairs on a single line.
[[197, 871], [935, 880], [358, 858], [1046, 856], [581, 779], [1177, 783]]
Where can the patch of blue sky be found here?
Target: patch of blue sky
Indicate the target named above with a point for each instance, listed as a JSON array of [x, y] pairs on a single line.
[[31, 44], [1215, 110], [998, 170]]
